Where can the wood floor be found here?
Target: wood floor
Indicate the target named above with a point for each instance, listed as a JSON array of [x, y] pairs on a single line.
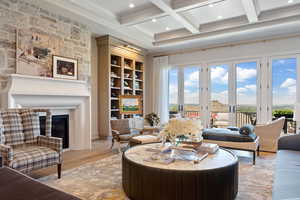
[[75, 158]]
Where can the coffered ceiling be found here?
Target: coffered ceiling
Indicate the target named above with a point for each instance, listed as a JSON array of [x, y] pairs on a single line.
[[169, 24]]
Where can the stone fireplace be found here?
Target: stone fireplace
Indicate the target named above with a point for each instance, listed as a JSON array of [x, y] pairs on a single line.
[[62, 97]]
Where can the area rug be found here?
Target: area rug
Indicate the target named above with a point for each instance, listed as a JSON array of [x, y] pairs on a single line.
[[102, 179]]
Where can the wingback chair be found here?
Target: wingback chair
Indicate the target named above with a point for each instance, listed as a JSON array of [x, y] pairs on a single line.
[[21, 145], [269, 134]]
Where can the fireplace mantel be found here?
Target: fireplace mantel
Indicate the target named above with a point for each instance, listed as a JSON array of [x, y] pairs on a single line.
[[24, 85], [24, 91]]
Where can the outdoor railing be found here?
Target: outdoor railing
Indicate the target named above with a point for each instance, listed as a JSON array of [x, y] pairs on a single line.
[[242, 118]]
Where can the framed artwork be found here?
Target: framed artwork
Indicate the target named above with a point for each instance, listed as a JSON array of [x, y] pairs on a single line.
[[34, 52], [65, 68], [130, 104]]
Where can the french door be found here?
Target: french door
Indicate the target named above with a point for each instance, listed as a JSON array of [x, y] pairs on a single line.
[[184, 92], [284, 73], [233, 93]]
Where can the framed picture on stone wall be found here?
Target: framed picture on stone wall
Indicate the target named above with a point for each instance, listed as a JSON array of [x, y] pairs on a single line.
[[65, 68]]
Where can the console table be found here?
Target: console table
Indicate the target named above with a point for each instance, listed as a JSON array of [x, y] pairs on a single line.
[[215, 177]]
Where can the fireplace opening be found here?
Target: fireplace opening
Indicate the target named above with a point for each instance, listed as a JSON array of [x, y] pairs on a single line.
[[60, 128]]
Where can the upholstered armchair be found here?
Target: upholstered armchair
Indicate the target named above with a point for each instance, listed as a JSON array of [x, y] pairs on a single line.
[[269, 134], [21, 145], [122, 132]]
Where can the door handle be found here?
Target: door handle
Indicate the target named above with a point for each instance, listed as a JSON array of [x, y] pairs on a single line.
[[233, 109], [229, 109]]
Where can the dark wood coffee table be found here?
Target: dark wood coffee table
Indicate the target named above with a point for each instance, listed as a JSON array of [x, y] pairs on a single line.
[[214, 178]]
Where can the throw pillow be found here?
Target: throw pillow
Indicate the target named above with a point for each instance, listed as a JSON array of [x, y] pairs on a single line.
[[247, 129]]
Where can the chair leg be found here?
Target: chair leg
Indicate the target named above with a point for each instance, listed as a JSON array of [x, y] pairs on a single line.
[[59, 170], [254, 157], [112, 143], [258, 151]]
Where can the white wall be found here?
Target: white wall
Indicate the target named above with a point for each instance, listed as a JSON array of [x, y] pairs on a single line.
[[94, 88]]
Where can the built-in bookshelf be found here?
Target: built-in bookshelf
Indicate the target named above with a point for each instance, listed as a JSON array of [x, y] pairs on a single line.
[[121, 72]]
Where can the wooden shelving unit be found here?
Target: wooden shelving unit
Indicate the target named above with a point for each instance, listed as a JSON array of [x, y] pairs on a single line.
[[121, 72]]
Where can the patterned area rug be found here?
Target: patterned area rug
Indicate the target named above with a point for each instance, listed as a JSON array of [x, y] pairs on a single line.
[[101, 180]]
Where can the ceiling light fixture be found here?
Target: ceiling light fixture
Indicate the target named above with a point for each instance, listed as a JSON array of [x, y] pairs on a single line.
[[154, 20], [220, 17], [211, 5], [290, 1], [167, 28], [131, 5]]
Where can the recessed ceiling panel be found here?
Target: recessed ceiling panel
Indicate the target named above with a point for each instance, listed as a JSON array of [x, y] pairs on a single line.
[[162, 24], [214, 12], [273, 4], [119, 7]]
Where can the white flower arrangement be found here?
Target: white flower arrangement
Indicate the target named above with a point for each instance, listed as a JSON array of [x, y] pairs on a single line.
[[187, 128]]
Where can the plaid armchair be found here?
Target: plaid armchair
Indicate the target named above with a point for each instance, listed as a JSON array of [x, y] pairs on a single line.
[[21, 145]]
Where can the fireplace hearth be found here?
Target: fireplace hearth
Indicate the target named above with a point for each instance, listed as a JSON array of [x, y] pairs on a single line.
[[60, 128]]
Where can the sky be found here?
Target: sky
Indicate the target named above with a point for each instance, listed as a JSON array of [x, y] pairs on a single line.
[[284, 83]]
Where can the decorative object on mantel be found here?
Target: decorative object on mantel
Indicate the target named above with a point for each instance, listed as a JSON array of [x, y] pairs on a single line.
[[152, 119], [130, 104], [65, 68], [182, 130], [34, 52]]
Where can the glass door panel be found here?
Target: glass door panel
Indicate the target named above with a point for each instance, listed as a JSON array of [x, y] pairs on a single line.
[[246, 95], [219, 102], [284, 76], [173, 93], [191, 92]]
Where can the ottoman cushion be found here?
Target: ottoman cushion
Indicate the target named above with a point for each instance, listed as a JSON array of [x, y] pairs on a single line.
[[221, 134], [144, 139]]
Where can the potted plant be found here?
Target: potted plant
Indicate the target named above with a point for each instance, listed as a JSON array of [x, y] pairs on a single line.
[[152, 119]]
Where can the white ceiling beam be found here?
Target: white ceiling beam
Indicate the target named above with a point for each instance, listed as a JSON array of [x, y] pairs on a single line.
[[152, 11], [183, 5], [251, 10], [171, 34], [166, 7], [141, 16], [268, 21]]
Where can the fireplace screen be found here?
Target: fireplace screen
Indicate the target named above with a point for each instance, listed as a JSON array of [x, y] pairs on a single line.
[[60, 128]]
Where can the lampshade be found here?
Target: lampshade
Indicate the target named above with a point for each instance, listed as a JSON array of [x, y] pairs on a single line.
[[297, 112]]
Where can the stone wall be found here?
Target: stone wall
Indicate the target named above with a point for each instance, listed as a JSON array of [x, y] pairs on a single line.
[[17, 14]]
